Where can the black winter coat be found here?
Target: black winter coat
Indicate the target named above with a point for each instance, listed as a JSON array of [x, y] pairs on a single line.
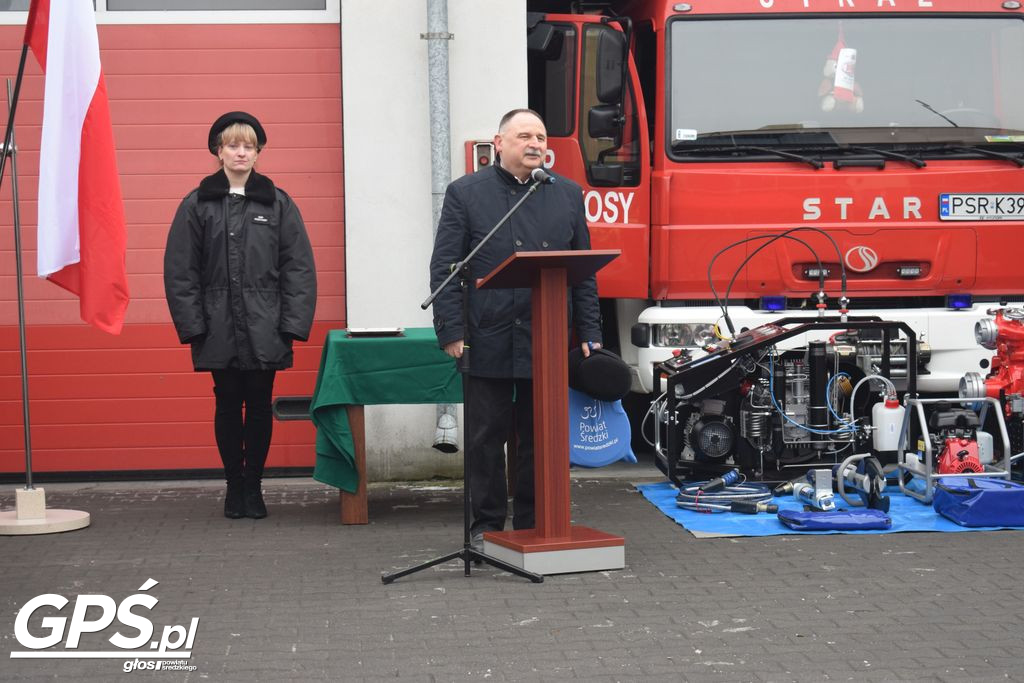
[[239, 275], [499, 319]]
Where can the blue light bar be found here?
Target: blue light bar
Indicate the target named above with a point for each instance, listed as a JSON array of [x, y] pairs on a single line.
[[773, 303], [959, 301]]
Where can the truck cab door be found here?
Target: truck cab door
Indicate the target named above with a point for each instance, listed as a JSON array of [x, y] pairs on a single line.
[[583, 82]]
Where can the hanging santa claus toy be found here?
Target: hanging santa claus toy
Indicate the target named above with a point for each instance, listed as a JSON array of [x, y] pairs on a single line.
[[840, 87]]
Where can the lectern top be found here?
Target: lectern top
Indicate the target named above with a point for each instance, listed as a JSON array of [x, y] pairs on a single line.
[[522, 268]]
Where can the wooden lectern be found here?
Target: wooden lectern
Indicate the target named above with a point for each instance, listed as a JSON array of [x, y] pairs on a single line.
[[555, 546]]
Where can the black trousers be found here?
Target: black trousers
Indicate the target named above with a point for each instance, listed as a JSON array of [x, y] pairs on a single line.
[[243, 437], [492, 407]]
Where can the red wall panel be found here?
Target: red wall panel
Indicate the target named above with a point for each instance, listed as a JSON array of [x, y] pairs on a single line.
[[132, 402]]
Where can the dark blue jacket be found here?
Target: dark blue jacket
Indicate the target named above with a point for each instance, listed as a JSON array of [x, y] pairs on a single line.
[[499, 319]]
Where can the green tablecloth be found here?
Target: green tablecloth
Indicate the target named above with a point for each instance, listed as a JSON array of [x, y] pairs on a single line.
[[369, 371]]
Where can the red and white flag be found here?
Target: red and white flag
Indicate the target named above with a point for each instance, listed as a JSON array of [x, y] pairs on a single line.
[[845, 59], [82, 236]]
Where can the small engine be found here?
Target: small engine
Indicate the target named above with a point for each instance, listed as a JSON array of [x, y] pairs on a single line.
[[954, 436]]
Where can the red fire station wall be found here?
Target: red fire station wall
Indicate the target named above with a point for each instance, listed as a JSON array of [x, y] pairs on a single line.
[[132, 402]]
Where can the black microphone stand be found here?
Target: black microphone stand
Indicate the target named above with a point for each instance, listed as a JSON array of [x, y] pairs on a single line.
[[467, 553]]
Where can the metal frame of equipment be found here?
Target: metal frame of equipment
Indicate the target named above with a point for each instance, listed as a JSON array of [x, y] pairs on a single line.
[[925, 468]]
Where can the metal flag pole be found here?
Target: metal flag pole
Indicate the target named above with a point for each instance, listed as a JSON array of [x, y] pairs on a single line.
[[12, 107], [30, 515], [11, 149]]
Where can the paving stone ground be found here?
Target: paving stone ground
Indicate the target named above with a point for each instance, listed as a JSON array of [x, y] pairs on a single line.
[[298, 596]]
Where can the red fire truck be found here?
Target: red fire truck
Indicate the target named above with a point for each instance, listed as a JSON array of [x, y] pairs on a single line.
[[892, 129]]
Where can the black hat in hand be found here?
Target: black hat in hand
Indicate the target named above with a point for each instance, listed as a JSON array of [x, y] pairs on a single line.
[[601, 375]]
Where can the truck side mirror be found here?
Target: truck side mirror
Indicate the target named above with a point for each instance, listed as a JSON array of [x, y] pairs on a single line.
[[544, 40], [606, 175], [604, 121], [611, 49]]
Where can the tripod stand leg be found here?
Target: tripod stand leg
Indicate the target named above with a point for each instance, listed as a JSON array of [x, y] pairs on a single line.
[[501, 564], [388, 578], [467, 555]]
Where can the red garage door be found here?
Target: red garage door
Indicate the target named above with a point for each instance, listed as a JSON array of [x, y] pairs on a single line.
[[132, 402]]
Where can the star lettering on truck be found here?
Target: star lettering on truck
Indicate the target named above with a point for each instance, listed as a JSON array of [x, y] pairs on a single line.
[[847, 208]]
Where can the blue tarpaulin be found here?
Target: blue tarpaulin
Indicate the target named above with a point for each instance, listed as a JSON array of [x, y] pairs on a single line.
[[908, 514]]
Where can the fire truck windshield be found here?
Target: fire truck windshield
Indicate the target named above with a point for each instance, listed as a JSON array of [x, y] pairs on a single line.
[[867, 80]]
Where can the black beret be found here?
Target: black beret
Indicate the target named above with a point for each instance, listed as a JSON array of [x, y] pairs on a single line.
[[601, 375], [235, 117]]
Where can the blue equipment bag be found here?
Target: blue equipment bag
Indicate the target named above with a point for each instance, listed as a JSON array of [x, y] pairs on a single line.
[[980, 502], [599, 431], [835, 520]]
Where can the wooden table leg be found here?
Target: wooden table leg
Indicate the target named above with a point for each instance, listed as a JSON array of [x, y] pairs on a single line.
[[353, 505]]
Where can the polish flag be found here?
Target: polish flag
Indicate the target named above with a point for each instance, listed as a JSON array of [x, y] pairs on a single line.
[[82, 237]]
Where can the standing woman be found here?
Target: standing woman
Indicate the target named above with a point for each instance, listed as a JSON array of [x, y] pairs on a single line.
[[241, 287]]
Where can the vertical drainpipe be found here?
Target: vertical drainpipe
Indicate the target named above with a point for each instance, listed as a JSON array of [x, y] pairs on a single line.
[[446, 439]]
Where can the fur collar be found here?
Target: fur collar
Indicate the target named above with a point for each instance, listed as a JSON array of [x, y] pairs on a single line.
[[258, 187]]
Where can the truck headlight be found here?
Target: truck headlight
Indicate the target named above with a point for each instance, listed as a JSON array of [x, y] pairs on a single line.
[[683, 334], [672, 335], [704, 335]]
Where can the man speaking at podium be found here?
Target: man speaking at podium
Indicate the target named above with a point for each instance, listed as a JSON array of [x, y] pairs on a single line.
[[498, 386]]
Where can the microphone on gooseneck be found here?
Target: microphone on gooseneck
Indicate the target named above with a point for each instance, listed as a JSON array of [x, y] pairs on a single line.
[[541, 176]]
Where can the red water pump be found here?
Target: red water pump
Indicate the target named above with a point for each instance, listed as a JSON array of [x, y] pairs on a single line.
[[959, 455], [1005, 335]]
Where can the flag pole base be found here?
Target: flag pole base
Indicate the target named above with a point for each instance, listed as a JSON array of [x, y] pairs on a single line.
[[30, 516]]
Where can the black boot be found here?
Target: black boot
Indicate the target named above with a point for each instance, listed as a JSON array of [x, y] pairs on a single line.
[[254, 505], [234, 500], [227, 428]]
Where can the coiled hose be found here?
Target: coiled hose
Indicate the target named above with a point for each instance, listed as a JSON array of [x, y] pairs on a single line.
[[728, 493]]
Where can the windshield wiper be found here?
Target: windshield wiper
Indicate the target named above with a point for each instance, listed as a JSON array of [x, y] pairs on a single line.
[[1015, 158], [937, 113], [815, 163], [920, 163], [682, 146]]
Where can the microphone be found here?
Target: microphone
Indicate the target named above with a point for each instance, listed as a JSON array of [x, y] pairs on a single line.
[[541, 176]]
